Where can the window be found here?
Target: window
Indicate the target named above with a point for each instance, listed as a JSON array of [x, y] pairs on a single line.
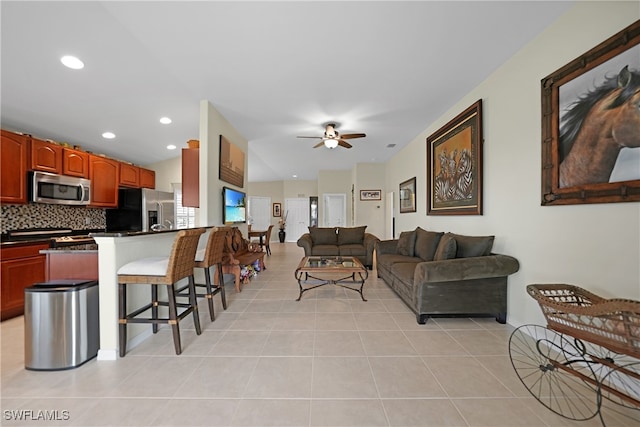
[[185, 216]]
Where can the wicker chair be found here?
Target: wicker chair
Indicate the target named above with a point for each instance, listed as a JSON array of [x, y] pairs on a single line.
[[207, 258], [161, 271]]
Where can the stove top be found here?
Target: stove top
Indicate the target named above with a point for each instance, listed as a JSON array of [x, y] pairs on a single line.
[[59, 236]]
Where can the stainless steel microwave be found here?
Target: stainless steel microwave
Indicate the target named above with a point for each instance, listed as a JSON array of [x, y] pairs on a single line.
[[59, 189]]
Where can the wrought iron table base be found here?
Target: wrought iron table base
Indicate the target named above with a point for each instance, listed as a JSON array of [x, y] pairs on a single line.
[[337, 282]]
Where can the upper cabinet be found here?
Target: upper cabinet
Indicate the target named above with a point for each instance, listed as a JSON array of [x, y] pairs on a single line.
[[105, 176], [191, 177], [13, 168], [147, 178], [46, 156], [75, 163], [129, 175]]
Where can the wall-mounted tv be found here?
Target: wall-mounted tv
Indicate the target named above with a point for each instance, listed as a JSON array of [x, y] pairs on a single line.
[[233, 206]]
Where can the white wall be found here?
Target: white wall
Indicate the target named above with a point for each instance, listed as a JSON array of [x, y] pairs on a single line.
[[593, 246]]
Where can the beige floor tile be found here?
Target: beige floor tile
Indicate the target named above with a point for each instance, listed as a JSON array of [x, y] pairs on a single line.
[[179, 412], [435, 343], [465, 377], [286, 321], [375, 322], [359, 306], [422, 413], [218, 377], [404, 377], [272, 412], [335, 322], [338, 343], [480, 342], [497, 412], [342, 377], [289, 343], [330, 305], [347, 413], [386, 343], [119, 411], [281, 377], [239, 343]]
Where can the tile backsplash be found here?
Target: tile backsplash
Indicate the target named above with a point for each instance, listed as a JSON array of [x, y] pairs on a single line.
[[37, 215]]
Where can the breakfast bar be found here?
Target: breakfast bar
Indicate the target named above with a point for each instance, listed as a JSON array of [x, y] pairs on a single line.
[[114, 251]]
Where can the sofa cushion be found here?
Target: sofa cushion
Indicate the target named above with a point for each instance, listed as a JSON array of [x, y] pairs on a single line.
[[325, 250], [472, 246], [391, 259], [447, 248], [426, 243], [406, 243], [351, 235], [352, 250], [323, 235]]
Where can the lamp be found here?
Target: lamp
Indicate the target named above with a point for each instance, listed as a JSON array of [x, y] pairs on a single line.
[[330, 143]]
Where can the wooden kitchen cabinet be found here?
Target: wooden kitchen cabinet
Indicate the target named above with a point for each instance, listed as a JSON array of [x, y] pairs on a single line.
[[147, 178], [13, 168], [191, 177], [46, 156], [105, 176], [75, 163], [129, 175], [20, 268]]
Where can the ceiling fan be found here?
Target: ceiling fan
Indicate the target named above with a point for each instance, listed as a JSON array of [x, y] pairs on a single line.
[[332, 138]]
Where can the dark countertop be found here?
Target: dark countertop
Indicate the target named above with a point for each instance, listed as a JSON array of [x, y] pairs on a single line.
[[143, 233]]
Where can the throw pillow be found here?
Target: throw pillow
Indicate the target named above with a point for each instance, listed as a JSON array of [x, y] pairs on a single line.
[[406, 243], [351, 235], [426, 243], [472, 246], [323, 236], [446, 248]]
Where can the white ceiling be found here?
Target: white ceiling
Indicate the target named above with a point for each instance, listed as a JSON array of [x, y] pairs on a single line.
[[274, 70]]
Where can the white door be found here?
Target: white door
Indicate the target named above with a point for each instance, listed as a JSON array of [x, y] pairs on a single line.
[[388, 227], [259, 212], [297, 212], [335, 210]]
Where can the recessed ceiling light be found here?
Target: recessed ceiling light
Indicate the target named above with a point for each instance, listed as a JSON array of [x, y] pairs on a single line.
[[72, 62], [171, 147], [165, 120], [294, 176], [109, 135]]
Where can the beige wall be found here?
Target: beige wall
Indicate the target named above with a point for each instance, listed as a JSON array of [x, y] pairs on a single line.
[[593, 246], [369, 176], [167, 172]]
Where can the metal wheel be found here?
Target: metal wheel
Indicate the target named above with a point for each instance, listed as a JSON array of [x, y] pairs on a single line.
[[554, 372], [621, 385]]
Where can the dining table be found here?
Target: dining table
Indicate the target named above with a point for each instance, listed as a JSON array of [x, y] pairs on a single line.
[[261, 234]]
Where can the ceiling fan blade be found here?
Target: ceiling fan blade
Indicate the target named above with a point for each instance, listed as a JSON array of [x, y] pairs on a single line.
[[344, 144], [314, 137], [352, 135], [320, 144]]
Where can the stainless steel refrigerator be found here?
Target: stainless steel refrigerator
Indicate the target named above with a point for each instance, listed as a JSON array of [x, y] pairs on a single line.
[[142, 209]]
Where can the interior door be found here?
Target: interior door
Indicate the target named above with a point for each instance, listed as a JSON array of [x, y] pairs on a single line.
[[388, 224], [335, 210], [297, 214]]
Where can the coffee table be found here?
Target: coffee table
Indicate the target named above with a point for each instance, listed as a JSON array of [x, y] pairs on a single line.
[[339, 271]]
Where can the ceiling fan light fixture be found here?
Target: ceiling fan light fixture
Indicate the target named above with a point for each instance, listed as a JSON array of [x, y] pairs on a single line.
[[330, 143]]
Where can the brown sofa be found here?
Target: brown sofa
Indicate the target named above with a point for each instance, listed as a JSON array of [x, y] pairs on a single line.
[[340, 241], [446, 274]]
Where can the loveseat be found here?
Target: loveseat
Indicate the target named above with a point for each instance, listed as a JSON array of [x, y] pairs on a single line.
[[340, 241], [445, 274]]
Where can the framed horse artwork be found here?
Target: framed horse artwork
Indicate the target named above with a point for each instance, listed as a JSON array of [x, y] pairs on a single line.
[[591, 125]]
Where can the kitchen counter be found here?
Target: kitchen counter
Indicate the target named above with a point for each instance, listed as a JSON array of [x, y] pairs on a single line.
[[116, 249]]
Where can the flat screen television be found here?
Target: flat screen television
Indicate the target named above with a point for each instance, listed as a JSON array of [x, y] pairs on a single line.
[[233, 206]]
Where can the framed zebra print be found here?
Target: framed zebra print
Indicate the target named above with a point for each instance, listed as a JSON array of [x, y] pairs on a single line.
[[454, 165]]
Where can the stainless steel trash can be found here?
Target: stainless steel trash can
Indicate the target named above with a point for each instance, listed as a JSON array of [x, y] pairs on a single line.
[[61, 324]]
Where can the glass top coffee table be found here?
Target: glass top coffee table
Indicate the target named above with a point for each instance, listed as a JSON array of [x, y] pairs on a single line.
[[315, 271]]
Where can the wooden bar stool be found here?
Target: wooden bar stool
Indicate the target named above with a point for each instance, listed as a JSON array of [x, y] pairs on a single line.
[[156, 271], [206, 258]]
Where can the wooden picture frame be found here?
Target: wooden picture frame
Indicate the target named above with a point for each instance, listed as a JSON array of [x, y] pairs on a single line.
[[594, 91], [407, 196], [454, 165], [366, 195], [277, 210], [231, 167]]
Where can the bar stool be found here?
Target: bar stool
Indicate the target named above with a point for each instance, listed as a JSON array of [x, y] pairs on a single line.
[[205, 258], [156, 271]]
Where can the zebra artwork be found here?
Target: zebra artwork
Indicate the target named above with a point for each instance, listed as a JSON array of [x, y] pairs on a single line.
[[455, 180]]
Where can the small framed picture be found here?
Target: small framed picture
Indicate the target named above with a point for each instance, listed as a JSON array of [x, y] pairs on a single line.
[[408, 195], [277, 209], [370, 194]]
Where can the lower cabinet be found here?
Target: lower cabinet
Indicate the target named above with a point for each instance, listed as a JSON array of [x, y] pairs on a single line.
[[20, 268]]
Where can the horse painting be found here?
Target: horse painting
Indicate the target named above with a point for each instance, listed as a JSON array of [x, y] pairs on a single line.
[[596, 127]]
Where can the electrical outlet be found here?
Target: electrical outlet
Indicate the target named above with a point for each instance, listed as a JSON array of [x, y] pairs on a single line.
[[87, 220]]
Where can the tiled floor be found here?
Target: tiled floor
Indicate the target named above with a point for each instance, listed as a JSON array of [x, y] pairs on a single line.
[[328, 360]]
